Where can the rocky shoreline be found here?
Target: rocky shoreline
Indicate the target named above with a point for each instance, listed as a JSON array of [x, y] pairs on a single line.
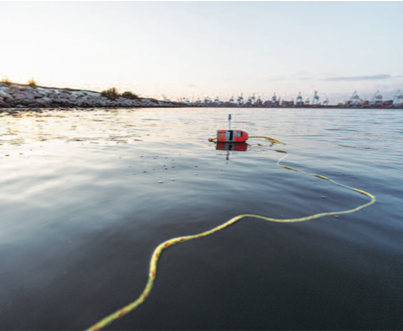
[[25, 97]]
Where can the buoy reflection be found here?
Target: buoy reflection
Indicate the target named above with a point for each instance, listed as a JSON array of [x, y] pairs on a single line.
[[237, 147]]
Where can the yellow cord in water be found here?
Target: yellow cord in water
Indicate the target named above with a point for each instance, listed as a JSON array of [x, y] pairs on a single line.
[[157, 252], [274, 141]]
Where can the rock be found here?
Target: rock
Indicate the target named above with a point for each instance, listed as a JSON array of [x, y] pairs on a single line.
[[14, 90], [26, 88], [86, 104], [47, 99], [52, 94], [15, 102], [4, 104], [5, 95], [39, 94], [18, 96], [42, 90], [34, 104], [69, 103], [29, 96], [44, 102]]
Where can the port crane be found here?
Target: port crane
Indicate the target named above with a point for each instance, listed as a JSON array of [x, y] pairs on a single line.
[[377, 99], [299, 100], [259, 101], [354, 98], [253, 99], [240, 100], [315, 100], [398, 98], [207, 100], [274, 99], [184, 100]]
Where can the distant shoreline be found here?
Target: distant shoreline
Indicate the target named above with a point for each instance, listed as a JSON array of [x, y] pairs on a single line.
[[16, 97], [295, 107]]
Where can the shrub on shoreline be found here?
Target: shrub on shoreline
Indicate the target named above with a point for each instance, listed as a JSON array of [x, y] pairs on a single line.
[[129, 95], [6, 81], [111, 94], [32, 83]]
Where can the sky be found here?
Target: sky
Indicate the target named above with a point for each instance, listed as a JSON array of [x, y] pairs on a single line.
[[198, 49]]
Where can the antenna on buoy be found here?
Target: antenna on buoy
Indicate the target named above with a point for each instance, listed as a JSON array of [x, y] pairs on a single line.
[[229, 121]]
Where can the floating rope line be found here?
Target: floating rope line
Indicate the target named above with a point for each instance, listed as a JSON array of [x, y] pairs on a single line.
[[272, 140], [158, 251]]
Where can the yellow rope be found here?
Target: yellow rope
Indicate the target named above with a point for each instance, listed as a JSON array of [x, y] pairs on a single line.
[[274, 141], [157, 252]]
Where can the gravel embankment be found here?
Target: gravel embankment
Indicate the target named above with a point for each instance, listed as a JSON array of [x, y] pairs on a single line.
[[15, 96]]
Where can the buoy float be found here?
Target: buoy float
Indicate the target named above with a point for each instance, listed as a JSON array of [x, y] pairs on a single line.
[[231, 136]]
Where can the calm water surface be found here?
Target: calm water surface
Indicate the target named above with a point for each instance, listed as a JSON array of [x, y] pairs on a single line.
[[86, 196]]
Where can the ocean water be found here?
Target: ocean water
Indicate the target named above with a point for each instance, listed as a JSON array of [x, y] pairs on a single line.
[[86, 196]]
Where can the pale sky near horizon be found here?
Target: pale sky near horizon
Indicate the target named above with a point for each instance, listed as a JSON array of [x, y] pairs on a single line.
[[206, 48]]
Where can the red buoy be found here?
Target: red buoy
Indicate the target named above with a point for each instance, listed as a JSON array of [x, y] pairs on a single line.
[[231, 136]]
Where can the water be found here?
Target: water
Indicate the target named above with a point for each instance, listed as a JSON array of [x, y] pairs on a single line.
[[80, 219]]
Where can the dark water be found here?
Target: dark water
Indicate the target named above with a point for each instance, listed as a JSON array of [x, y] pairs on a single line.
[[80, 219]]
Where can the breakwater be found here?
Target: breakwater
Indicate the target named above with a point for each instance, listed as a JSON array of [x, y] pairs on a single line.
[[23, 96]]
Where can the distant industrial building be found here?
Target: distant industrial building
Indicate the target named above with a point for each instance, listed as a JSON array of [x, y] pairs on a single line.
[[354, 101]]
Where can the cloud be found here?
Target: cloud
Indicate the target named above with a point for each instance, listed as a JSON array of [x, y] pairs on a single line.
[[305, 78], [276, 78], [358, 78], [301, 75]]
